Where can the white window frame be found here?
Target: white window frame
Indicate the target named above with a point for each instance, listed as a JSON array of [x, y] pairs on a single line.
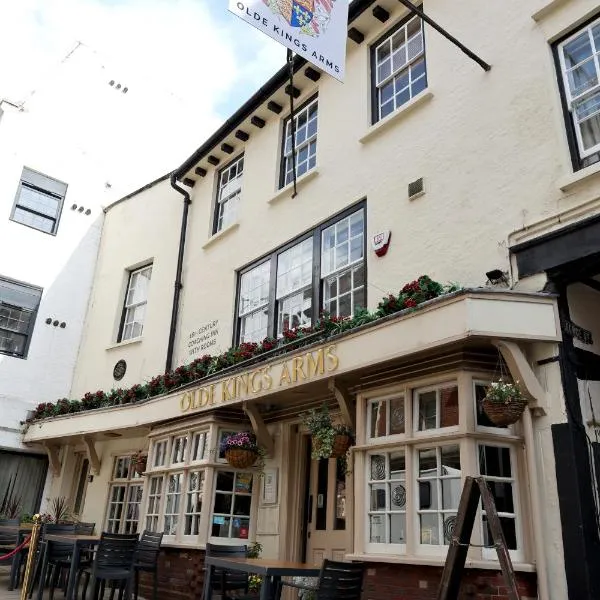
[[389, 437], [287, 164], [378, 83], [572, 101], [128, 482], [438, 428], [130, 307], [229, 194], [254, 309]]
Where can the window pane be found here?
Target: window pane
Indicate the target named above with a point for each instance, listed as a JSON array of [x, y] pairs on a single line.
[[427, 410], [396, 416], [254, 288], [449, 406], [378, 418], [253, 327], [577, 50], [294, 311], [38, 201], [292, 271], [583, 77], [26, 217], [429, 528], [494, 461], [397, 528]]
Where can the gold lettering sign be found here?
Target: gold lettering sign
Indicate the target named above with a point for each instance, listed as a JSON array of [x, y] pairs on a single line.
[[305, 367]]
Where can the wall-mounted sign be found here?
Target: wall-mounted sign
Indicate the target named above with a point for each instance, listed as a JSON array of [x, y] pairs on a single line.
[[314, 29], [577, 332], [269, 492], [204, 339], [305, 367], [381, 242], [120, 370]]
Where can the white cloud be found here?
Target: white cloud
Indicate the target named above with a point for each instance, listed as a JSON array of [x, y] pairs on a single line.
[[180, 61]]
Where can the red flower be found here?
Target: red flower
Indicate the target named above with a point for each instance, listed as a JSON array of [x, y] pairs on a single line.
[[410, 303]]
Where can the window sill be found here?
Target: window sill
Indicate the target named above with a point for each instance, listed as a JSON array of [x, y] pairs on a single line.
[[382, 125], [572, 180], [220, 234], [437, 561], [289, 188], [137, 340]]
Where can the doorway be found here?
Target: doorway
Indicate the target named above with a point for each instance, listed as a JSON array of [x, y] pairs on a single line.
[[325, 510]]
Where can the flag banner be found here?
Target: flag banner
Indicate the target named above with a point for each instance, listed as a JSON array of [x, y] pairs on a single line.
[[314, 29]]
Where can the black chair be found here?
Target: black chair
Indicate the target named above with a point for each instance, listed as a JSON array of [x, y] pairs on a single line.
[[59, 555], [113, 562], [85, 528], [146, 560], [9, 540], [224, 581], [337, 581]]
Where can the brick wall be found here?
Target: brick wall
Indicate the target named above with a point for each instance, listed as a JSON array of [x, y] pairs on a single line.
[[181, 576]]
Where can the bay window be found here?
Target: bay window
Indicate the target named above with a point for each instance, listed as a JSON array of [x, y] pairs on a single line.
[[124, 497], [192, 494], [324, 270], [420, 443]]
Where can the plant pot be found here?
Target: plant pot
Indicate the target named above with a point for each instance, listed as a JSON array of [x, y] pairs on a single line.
[[240, 458], [341, 443], [140, 465], [503, 414]]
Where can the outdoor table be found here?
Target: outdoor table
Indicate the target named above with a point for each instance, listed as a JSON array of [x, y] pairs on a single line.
[[77, 542], [271, 570], [22, 531]]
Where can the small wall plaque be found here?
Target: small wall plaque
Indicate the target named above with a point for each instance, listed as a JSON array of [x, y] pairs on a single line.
[[120, 370], [270, 489]]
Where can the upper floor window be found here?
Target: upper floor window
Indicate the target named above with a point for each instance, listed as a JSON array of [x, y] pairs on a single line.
[[134, 308], [228, 194], [325, 268], [305, 123], [398, 70], [18, 306], [39, 201], [580, 77]]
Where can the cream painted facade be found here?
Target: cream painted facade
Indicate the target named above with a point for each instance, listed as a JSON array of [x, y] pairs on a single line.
[[493, 153]]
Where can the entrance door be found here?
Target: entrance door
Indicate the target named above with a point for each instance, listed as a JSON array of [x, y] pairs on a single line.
[[326, 527]]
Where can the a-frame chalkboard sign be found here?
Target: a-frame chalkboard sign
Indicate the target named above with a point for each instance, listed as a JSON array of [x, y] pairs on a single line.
[[474, 489]]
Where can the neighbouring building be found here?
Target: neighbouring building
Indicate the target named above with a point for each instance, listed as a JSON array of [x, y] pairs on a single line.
[[488, 179], [61, 163]]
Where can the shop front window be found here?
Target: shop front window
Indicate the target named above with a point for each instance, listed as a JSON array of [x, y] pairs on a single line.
[[124, 497]]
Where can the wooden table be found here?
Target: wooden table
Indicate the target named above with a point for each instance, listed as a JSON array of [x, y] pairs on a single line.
[[20, 531], [271, 570], [77, 542]]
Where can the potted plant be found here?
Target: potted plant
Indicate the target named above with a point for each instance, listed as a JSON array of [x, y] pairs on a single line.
[[139, 461], [241, 449], [504, 403], [328, 440]]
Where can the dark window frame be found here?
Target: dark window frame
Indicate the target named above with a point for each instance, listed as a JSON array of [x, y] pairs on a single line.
[[373, 65], [124, 307], [27, 184], [576, 161], [317, 281], [219, 173], [32, 319], [285, 121]]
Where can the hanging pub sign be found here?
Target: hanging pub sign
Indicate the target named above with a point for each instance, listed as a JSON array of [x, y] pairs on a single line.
[[314, 29]]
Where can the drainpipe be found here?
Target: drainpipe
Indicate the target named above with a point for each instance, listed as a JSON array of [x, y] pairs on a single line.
[[178, 285], [538, 530]]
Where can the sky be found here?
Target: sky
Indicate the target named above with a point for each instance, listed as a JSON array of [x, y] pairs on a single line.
[[196, 51]]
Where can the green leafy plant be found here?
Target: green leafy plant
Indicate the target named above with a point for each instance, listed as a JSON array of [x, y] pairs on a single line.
[[59, 509], [323, 431], [254, 550]]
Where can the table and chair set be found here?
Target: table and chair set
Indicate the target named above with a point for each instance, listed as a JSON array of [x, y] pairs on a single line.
[[70, 555]]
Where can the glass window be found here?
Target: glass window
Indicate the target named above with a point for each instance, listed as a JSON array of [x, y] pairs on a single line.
[[294, 289], [399, 70], [82, 480], [231, 505], [198, 450], [134, 310], [386, 417], [172, 499], [496, 467], [178, 448], [387, 498], [153, 505], [124, 497], [39, 201], [160, 453], [305, 123], [193, 502], [229, 194], [18, 307], [439, 489], [435, 408], [579, 59], [254, 298]]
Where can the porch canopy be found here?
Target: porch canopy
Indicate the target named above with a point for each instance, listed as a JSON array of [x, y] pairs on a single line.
[[464, 324]]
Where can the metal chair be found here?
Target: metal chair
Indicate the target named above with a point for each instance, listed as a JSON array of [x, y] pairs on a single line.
[[224, 581], [337, 581], [113, 562], [59, 555], [146, 560]]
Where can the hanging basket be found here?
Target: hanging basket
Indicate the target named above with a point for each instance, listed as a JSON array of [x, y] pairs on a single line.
[[504, 414], [240, 458], [341, 443], [139, 466]]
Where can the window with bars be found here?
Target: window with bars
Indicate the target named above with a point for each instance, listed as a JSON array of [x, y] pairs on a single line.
[[579, 63], [325, 268], [398, 67], [134, 308], [305, 124], [18, 308], [124, 497], [229, 191], [39, 201]]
